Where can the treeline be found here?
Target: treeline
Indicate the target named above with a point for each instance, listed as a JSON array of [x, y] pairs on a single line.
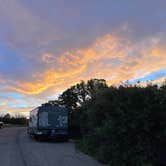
[[16, 120], [120, 126]]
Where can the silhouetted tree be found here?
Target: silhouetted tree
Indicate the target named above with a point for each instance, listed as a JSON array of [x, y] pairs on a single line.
[[78, 94]]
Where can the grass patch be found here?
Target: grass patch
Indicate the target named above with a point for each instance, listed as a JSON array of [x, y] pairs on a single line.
[[14, 125]]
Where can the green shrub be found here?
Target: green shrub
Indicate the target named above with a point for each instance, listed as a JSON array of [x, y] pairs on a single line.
[[125, 126]]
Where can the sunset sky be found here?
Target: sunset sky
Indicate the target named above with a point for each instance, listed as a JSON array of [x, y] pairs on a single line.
[[48, 45]]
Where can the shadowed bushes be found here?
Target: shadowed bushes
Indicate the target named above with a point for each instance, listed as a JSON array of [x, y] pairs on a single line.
[[120, 126], [125, 126]]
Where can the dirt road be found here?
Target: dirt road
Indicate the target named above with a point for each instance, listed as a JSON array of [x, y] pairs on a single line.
[[17, 149]]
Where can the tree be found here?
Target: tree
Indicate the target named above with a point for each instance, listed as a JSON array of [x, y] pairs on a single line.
[[78, 94], [6, 118], [95, 85], [69, 98], [75, 97]]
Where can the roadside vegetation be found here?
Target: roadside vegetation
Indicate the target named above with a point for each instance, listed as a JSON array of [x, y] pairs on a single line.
[[120, 126], [13, 121]]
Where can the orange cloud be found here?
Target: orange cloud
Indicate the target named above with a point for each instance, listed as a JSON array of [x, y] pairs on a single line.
[[109, 57], [46, 80], [157, 52]]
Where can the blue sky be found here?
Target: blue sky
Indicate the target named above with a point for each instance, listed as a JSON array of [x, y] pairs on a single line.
[[47, 46], [159, 74]]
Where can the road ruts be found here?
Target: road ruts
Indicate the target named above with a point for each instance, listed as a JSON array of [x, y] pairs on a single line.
[[20, 149]]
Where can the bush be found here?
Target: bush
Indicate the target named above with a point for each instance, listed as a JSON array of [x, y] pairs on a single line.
[[125, 126]]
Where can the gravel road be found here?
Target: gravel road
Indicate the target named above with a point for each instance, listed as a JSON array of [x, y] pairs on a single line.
[[17, 149]]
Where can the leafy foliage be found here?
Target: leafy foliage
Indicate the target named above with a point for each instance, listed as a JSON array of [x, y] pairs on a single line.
[[78, 94], [119, 126], [75, 97], [126, 126]]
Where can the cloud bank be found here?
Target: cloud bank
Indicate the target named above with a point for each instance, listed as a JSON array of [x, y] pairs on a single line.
[[45, 47]]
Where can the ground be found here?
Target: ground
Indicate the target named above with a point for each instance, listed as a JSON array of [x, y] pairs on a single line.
[[17, 149]]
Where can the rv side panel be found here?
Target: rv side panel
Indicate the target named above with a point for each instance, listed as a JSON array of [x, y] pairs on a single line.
[[33, 122]]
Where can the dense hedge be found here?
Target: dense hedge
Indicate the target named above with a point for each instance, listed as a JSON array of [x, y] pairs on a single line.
[[125, 126], [120, 126]]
